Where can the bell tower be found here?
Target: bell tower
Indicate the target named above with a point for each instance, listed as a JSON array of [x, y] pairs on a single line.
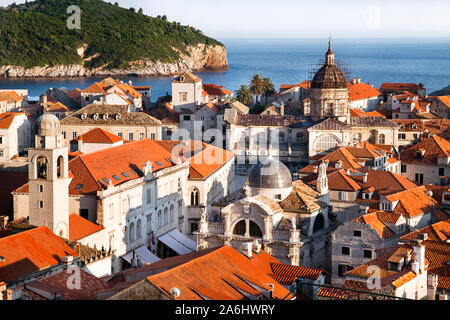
[[48, 177]]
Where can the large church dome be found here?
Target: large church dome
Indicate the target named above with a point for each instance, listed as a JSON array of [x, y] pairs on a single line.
[[47, 125], [329, 76], [270, 174]]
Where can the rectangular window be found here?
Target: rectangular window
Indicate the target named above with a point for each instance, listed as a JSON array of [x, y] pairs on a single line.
[[74, 134], [149, 196], [186, 118], [357, 233], [119, 134], [41, 188], [194, 227], [441, 172], [1, 153], [343, 268], [183, 96], [404, 167], [368, 254], [130, 136], [153, 135], [141, 136], [1, 140], [41, 204], [84, 213], [419, 178], [64, 134], [111, 211], [345, 251]]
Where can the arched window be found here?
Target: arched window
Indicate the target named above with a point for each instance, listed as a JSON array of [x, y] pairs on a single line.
[[125, 234], [41, 167], [255, 230], [239, 229], [327, 142], [132, 232], [171, 213], [381, 139], [319, 223], [60, 169], [195, 196], [159, 219], [166, 216], [138, 230]]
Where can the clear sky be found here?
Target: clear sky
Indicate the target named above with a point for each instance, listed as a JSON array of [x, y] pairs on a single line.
[[298, 19]]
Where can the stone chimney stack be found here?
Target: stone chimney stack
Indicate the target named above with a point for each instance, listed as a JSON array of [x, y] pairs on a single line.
[[247, 249], [282, 109], [365, 177], [45, 101], [419, 254]]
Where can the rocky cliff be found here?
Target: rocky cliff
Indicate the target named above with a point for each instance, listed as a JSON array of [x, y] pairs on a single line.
[[200, 57]]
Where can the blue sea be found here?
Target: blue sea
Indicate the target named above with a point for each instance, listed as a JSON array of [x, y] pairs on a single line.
[[375, 61]]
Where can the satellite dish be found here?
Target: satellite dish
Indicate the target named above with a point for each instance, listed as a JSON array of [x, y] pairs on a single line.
[[175, 292]]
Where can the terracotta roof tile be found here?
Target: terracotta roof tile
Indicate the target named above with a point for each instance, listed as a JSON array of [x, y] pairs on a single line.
[[359, 91], [80, 228], [30, 251], [223, 269], [99, 135]]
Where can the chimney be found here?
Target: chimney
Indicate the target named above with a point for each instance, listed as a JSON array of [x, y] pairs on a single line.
[[134, 264], [247, 249], [354, 81], [315, 168], [67, 260], [419, 254], [45, 100], [365, 177], [3, 222], [282, 109]]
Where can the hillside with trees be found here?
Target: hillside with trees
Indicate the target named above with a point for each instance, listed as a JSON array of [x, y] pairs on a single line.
[[35, 34]]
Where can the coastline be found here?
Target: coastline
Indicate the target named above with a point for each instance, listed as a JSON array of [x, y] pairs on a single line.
[[199, 58]]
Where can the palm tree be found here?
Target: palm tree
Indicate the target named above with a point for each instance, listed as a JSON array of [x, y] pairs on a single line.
[[268, 87], [244, 95], [256, 86]]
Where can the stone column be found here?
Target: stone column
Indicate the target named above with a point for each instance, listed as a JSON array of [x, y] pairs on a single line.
[[227, 224], [267, 229], [247, 228]]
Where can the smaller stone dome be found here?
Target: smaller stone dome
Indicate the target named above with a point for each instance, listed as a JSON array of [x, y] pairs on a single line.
[[270, 173], [48, 125]]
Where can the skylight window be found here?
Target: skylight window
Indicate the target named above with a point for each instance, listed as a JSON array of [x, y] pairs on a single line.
[[159, 163], [106, 180], [79, 187], [133, 172], [116, 177], [126, 175]]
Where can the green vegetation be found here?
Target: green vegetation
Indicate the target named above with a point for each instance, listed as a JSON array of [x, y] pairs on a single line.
[[244, 95], [258, 87], [36, 34]]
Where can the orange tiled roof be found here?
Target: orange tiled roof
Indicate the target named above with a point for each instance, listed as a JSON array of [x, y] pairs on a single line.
[[204, 159], [412, 87], [412, 202], [373, 219], [279, 269], [129, 158], [439, 231], [435, 148], [30, 251], [358, 91], [99, 135], [215, 90], [90, 285], [7, 118], [10, 96], [445, 100], [222, 274], [80, 228], [56, 107]]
